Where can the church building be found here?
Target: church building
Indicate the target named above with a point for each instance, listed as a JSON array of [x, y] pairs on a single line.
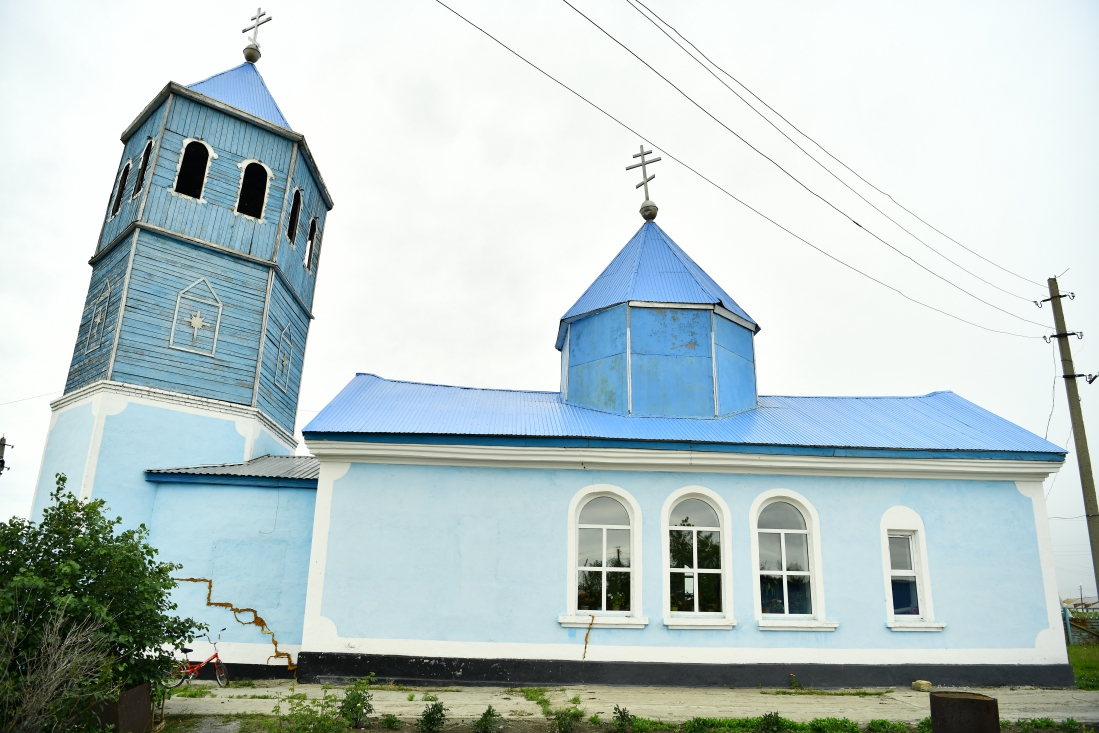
[[653, 521]]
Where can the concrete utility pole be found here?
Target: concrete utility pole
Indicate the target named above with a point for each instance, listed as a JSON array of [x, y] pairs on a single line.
[[1076, 414]]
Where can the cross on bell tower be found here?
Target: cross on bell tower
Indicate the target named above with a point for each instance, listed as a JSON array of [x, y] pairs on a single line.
[[251, 51], [648, 207]]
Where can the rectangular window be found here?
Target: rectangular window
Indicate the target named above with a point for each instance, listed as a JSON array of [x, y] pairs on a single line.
[[906, 600]]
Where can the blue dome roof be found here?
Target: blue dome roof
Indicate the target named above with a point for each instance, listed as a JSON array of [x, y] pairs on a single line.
[[243, 88], [652, 268]]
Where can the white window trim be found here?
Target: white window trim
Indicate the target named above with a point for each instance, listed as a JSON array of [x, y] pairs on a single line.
[[217, 324], [773, 622], [243, 165], [632, 619], [205, 176], [903, 520], [724, 620]]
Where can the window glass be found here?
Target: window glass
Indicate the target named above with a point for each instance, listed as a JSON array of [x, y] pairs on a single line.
[[693, 513], [618, 591], [696, 550], [604, 510], [590, 552], [192, 171], [253, 191], [589, 591], [781, 515], [618, 548], [900, 553], [785, 587]]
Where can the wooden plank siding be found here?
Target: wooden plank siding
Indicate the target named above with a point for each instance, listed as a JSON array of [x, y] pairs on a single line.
[[214, 219], [91, 365], [162, 268], [131, 152], [282, 405], [292, 252]]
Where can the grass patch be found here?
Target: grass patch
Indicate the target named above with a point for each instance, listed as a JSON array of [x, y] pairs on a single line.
[[194, 692], [536, 695], [1085, 663], [392, 722], [648, 725], [391, 686], [243, 682], [828, 693], [769, 722]]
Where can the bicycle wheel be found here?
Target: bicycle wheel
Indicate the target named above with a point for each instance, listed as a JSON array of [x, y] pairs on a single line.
[[177, 676], [221, 673]]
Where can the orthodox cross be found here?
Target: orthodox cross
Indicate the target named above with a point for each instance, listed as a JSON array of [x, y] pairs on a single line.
[[257, 20], [645, 177], [196, 321]]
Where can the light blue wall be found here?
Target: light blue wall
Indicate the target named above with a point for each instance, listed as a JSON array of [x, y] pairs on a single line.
[[597, 361], [482, 555], [131, 153], [736, 371], [670, 362], [164, 266], [252, 542], [66, 452], [144, 436], [92, 351], [279, 402], [267, 445], [291, 255]]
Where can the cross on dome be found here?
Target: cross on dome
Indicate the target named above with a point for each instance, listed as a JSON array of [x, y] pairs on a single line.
[[648, 208], [251, 51]]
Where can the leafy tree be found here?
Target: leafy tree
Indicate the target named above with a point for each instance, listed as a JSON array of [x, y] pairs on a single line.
[[76, 562]]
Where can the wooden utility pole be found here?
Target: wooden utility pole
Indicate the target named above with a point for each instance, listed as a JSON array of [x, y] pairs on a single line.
[[1076, 414]]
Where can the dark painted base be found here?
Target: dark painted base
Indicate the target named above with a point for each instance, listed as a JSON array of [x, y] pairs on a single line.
[[314, 666], [249, 672]]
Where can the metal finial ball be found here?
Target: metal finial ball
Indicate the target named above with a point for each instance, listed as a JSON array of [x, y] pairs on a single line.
[[648, 210], [251, 53]]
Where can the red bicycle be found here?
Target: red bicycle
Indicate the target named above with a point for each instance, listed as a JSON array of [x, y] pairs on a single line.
[[188, 670]]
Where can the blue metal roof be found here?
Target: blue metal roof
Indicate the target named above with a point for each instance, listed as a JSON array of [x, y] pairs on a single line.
[[370, 407], [243, 88], [651, 267]]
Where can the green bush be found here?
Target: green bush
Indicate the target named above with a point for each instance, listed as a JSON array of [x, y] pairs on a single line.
[[885, 726], [428, 697], [392, 722], [489, 722], [925, 726], [84, 602], [773, 722], [356, 703], [565, 720], [833, 725], [320, 715], [623, 721], [432, 718]]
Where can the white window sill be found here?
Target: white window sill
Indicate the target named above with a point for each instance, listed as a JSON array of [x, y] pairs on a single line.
[[793, 624], [896, 625], [603, 622], [699, 622]]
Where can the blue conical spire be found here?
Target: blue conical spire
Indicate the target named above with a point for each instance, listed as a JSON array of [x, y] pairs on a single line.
[[652, 268], [243, 88]]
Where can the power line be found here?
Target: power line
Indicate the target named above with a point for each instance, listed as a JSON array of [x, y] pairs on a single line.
[[713, 183], [813, 158], [810, 139], [794, 178], [24, 399]]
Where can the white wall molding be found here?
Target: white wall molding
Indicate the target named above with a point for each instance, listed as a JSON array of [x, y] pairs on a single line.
[[636, 459], [1053, 636], [805, 654], [176, 401], [319, 632]]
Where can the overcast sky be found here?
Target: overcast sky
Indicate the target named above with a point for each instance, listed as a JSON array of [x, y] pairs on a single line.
[[476, 200]]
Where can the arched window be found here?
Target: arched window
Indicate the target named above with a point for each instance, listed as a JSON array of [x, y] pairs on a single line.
[[143, 169], [309, 244], [121, 190], [694, 551], [295, 214], [603, 556], [784, 572], [253, 190], [191, 177]]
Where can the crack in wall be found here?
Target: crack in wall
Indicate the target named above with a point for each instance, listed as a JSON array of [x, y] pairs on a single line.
[[257, 620]]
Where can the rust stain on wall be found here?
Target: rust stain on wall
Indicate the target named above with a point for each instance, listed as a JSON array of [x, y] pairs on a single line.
[[257, 620]]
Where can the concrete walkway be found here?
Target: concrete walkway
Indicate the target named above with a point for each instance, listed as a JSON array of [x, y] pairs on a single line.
[[672, 704]]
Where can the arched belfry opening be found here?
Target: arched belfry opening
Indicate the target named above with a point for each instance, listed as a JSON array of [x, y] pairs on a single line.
[[117, 205], [253, 190], [295, 215], [192, 170], [143, 169], [310, 244]]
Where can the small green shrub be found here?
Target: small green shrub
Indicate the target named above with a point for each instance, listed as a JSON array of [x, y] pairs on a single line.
[[574, 700], [794, 684], [489, 722], [356, 703], [432, 719], [428, 697], [925, 726], [594, 720], [537, 695], [833, 725], [773, 722], [392, 722], [623, 721], [411, 696], [565, 720], [321, 715], [885, 726]]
